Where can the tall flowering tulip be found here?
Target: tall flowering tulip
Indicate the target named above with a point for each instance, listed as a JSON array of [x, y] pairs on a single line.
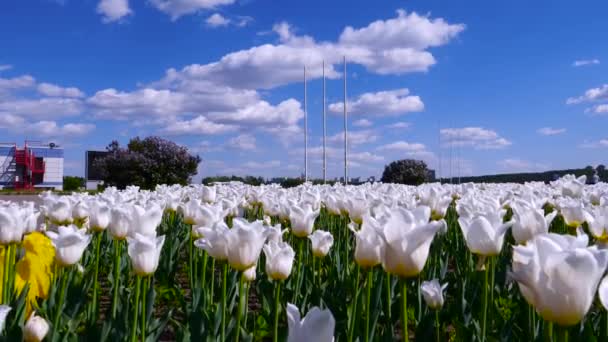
[[4, 311], [100, 216], [145, 219], [321, 243], [369, 247], [528, 222], [35, 329], [484, 233], [318, 325], [70, 243], [549, 269], [408, 235], [120, 223], [302, 220], [432, 292], [279, 262], [144, 252]]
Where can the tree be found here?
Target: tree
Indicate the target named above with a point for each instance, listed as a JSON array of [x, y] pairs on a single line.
[[71, 183], [147, 163], [406, 171]]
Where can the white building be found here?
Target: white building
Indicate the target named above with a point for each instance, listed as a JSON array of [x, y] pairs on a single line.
[[32, 166]]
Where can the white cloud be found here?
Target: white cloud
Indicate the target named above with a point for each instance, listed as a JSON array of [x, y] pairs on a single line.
[[271, 65], [593, 94], [399, 125], [602, 143], [391, 102], [354, 137], [362, 123], [52, 129], [51, 107], [245, 142], [243, 20], [53, 90], [113, 10], [217, 20], [262, 113], [365, 157], [255, 165], [198, 125], [24, 81], [403, 146], [477, 137], [111, 103], [178, 8], [601, 109], [550, 131], [4, 67], [519, 165], [584, 62]]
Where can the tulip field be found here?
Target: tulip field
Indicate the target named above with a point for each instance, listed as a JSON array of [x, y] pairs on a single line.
[[374, 262]]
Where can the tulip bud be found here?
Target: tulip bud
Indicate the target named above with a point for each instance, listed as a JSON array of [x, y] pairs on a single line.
[[432, 292], [249, 275], [35, 329], [279, 260]]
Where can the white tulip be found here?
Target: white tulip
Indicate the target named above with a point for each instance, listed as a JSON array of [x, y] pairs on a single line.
[[369, 247], [70, 243], [528, 222], [99, 216], [120, 223], [598, 226], [279, 260], [249, 275], [318, 325], [80, 211], [35, 329], [432, 292], [408, 236], [245, 242], [144, 252], [4, 311], [302, 220], [58, 210], [603, 292], [485, 233], [575, 214], [274, 233], [209, 194], [214, 241], [12, 224], [145, 220], [321, 243], [549, 269]]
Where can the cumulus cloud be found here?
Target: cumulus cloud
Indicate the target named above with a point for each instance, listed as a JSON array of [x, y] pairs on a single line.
[[591, 95], [113, 10], [362, 123], [217, 20], [601, 109], [4, 67], [270, 65], [477, 137], [24, 81], [245, 142], [51, 107], [519, 165], [585, 62], [391, 102], [177, 8], [354, 137], [602, 143], [196, 126], [53, 90], [550, 131], [44, 128], [402, 146], [399, 125]]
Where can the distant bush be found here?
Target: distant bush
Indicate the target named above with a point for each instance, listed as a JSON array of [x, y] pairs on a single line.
[[71, 183], [406, 171]]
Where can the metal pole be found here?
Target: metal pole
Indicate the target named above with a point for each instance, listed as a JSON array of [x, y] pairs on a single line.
[[345, 130], [439, 148], [324, 130], [305, 132]]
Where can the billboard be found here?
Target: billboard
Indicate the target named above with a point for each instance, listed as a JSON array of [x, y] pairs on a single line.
[[91, 173]]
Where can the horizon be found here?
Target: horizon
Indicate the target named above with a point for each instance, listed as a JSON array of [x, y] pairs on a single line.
[[496, 88]]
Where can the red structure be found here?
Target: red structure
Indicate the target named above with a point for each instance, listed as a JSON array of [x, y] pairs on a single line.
[[29, 168]]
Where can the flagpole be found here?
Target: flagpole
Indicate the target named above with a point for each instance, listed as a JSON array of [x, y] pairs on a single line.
[[305, 131], [345, 129], [324, 130]]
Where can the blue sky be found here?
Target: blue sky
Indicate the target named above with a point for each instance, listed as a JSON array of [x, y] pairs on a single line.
[[513, 86]]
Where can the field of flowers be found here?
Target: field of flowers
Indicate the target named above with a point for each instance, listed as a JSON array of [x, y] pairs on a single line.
[[375, 262]]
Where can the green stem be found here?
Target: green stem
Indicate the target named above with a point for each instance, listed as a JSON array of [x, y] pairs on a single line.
[[64, 283], [388, 298], [117, 261], [485, 305], [144, 304], [11, 273], [240, 309], [247, 287], [351, 330], [204, 270], [370, 274], [277, 294], [135, 310], [224, 276], [212, 278], [7, 254], [419, 299], [96, 281], [491, 302], [404, 310], [190, 262], [298, 280], [437, 326]]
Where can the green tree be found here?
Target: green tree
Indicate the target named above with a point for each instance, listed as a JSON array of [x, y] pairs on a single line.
[[406, 171], [72, 183], [147, 163]]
